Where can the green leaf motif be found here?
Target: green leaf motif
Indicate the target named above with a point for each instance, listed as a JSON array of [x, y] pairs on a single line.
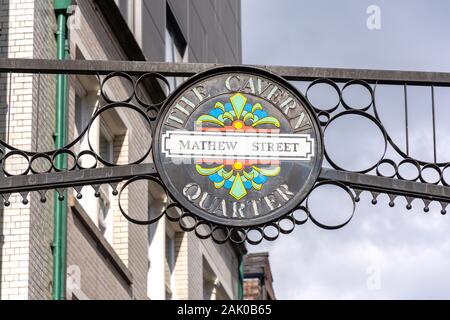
[[208, 118], [207, 171], [269, 172], [267, 120]]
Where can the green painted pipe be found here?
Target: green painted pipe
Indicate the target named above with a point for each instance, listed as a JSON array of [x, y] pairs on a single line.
[[241, 278], [60, 207]]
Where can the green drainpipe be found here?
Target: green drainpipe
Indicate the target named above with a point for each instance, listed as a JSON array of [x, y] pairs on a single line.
[[60, 207], [241, 278]]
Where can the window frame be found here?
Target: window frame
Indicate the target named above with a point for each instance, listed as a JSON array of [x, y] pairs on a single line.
[[175, 46], [170, 262]]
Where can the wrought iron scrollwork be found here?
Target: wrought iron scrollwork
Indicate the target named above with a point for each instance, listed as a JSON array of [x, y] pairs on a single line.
[[43, 163], [369, 111]]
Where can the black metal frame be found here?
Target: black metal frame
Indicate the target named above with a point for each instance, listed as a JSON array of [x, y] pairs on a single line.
[[46, 66], [353, 182], [116, 174]]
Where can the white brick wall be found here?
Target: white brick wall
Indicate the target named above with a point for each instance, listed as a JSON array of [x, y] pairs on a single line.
[[16, 18], [191, 251]]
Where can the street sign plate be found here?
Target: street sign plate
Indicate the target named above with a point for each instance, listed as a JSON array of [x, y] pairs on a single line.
[[238, 146]]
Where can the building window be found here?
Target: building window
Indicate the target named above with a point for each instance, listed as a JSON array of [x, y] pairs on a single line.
[[174, 52], [212, 288], [170, 264], [105, 214], [161, 249], [175, 46], [106, 136], [79, 123], [126, 7], [106, 144]]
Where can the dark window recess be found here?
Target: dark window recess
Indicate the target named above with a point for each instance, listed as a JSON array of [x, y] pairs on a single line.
[[175, 31]]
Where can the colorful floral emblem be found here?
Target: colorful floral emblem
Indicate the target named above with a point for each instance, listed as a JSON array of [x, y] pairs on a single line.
[[237, 175]]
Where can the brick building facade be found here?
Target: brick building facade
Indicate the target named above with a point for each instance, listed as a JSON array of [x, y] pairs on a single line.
[[258, 277], [107, 257]]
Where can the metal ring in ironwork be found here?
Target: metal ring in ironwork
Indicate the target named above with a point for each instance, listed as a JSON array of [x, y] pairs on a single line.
[[134, 179], [140, 99], [347, 190], [89, 153], [265, 230], [432, 167], [177, 207], [184, 223], [390, 162], [284, 230], [361, 83], [203, 224], [300, 221], [258, 240], [60, 152], [410, 161], [112, 106], [444, 181], [333, 85], [364, 115], [41, 156], [12, 153], [216, 232], [321, 115], [122, 75], [152, 113], [235, 232]]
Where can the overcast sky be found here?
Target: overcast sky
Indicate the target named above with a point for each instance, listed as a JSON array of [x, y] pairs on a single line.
[[384, 252]]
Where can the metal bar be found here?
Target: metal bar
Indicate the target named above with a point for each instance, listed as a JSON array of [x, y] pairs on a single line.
[[45, 181], [65, 179], [102, 67], [37, 111], [388, 185], [9, 108], [433, 114], [405, 92], [189, 69]]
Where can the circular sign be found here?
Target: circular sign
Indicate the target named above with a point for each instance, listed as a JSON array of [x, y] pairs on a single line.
[[238, 146]]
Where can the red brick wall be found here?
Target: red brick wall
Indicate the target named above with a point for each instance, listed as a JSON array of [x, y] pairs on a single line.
[[252, 289]]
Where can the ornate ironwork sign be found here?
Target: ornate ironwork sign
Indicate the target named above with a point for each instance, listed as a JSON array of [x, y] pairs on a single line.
[[238, 146], [239, 149]]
